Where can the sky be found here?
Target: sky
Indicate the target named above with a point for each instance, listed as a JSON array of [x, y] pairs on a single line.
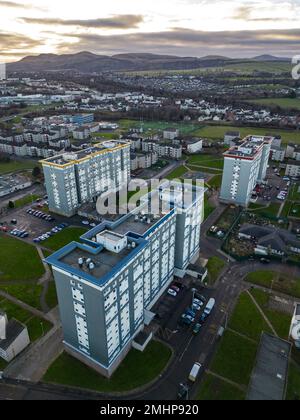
[[235, 28]]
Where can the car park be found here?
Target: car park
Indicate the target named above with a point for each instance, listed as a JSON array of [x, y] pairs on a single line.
[[190, 312]]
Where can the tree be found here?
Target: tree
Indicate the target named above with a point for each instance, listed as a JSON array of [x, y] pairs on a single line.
[[36, 172], [11, 205]]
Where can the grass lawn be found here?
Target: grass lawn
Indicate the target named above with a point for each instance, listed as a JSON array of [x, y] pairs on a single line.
[[281, 321], [15, 166], [215, 389], [3, 364], [293, 389], [185, 128], [270, 211], [215, 266], [36, 326], [247, 319], [216, 181], [295, 210], [64, 237], [177, 173], [51, 296], [215, 132], [204, 170], [235, 358], [29, 293], [135, 371], [275, 281], [209, 161], [208, 208], [25, 200], [285, 103], [19, 261], [294, 195], [286, 209]]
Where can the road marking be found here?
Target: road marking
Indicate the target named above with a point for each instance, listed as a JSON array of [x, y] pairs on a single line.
[[186, 349]]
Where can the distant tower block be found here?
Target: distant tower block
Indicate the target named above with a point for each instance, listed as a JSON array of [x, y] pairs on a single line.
[[2, 71]]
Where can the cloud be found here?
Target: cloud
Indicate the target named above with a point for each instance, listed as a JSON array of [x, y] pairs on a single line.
[[189, 42], [15, 5], [113, 22], [10, 42]]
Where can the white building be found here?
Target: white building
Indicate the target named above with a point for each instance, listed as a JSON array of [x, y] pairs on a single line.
[[194, 145], [14, 338], [244, 167], [171, 133], [293, 168]]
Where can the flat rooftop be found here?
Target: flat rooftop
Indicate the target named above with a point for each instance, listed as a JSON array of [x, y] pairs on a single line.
[[269, 377], [249, 147], [72, 157], [104, 261]]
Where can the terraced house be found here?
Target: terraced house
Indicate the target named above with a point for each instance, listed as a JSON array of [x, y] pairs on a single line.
[[108, 283]]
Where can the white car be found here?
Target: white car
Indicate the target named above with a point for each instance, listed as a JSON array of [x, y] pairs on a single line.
[[85, 223], [172, 292]]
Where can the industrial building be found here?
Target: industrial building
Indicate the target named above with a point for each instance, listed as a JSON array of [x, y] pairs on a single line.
[[245, 165], [73, 179], [108, 283]]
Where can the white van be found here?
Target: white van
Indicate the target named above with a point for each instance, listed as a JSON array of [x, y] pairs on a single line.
[[209, 306], [195, 372]]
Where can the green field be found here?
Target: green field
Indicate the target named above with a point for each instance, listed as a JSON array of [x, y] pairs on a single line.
[[15, 166], [25, 200], [215, 267], [216, 181], [19, 261], [235, 358], [286, 103], [218, 132], [177, 173], [247, 319], [208, 161], [244, 67], [293, 389], [185, 128], [64, 237], [214, 389], [51, 296], [281, 321], [275, 281], [36, 326], [136, 370], [208, 208]]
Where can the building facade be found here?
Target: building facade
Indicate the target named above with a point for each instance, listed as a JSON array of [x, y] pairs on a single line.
[[73, 179], [245, 166], [108, 284]]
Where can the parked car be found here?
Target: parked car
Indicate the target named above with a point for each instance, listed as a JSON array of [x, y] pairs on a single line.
[[172, 293], [177, 290], [197, 329]]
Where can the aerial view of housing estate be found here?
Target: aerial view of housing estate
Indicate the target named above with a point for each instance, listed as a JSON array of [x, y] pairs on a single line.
[[150, 202]]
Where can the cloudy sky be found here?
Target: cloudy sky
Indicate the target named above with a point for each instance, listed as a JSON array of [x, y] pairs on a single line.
[[236, 28]]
